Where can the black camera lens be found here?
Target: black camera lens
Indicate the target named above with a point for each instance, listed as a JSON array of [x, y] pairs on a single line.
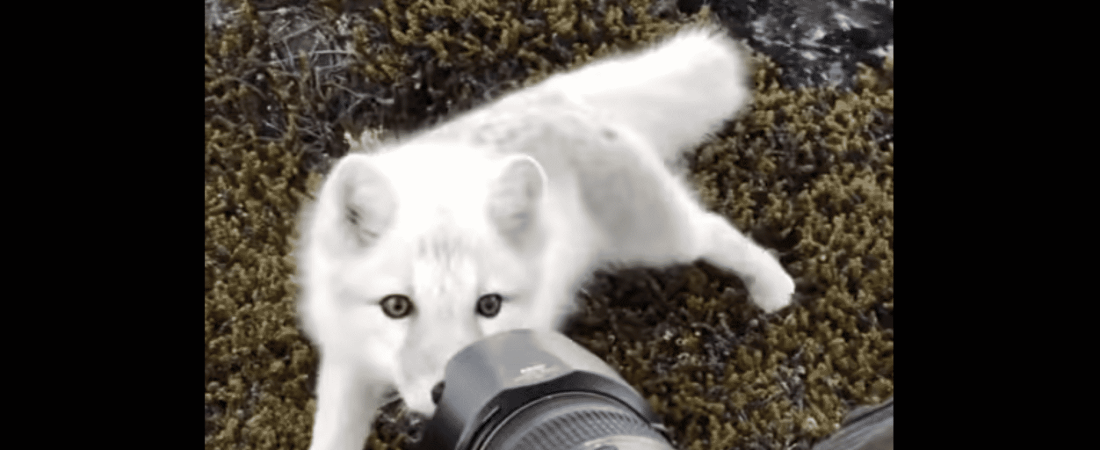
[[574, 419], [538, 390]]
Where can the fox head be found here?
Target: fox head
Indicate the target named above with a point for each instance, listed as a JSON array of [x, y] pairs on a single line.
[[415, 254]]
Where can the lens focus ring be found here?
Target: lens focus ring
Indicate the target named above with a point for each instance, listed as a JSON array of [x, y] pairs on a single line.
[[572, 419]]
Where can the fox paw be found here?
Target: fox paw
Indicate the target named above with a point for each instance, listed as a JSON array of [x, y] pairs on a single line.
[[774, 293]]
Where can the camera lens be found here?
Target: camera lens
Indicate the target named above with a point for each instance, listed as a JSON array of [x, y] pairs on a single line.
[[537, 390], [570, 420]]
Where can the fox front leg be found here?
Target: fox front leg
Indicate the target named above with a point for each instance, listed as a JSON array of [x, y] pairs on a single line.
[[347, 405]]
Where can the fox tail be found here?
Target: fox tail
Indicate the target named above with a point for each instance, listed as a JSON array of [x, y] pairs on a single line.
[[673, 94]]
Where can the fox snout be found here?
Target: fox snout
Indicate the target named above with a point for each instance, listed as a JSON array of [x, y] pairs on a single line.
[[435, 393], [423, 361], [420, 377]]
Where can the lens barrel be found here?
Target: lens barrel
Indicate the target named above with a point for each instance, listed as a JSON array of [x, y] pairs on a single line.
[[538, 390], [573, 420]]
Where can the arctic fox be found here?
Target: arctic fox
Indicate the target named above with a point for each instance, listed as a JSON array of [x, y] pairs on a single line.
[[492, 221]]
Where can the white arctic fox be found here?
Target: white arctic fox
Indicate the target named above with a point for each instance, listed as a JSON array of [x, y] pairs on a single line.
[[492, 221]]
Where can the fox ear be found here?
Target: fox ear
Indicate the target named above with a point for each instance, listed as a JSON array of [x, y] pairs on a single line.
[[514, 197], [363, 203]]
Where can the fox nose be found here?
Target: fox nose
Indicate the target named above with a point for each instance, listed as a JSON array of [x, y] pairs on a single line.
[[437, 392]]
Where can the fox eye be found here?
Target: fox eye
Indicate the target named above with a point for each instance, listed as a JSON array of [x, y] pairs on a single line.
[[488, 305], [396, 306]]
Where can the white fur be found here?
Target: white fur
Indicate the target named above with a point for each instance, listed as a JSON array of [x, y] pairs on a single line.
[[525, 198]]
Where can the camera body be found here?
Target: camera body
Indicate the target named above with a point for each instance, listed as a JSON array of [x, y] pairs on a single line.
[[539, 390]]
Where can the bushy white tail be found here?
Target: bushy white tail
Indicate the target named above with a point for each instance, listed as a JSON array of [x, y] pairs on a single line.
[[674, 93]]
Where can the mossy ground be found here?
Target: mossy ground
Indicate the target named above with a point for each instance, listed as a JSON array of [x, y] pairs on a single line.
[[806, 172]]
